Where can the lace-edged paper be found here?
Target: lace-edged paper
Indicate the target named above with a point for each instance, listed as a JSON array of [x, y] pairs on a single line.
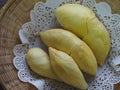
[[42, 18]]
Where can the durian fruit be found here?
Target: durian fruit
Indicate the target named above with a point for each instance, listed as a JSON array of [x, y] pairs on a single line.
[[39, 62], [66, 69], [69, 43], [82, 21]]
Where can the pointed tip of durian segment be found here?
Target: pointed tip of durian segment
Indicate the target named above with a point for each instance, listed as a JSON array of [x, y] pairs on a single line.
[[50, 49], [52, 52]]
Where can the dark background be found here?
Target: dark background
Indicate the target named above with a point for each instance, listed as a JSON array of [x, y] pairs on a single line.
[[2, 2]]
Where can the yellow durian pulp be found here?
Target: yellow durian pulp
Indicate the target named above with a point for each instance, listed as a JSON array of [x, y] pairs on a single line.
[[66, 69], [39, 62], [82, 21], [69, 43]]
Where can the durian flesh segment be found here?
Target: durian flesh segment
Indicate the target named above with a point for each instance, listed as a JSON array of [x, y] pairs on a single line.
[[73, 46], [73, 17], [39, 62], [84, 58], [66, 69], [98, 40], [83, 22]]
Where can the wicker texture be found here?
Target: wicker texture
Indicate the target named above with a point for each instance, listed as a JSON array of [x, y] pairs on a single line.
[[12, 16]]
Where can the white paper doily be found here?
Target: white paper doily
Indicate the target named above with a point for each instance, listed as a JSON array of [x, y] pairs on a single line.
[[42, 18]]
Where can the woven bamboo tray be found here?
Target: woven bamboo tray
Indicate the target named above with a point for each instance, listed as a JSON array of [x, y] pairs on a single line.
[[12, 16]]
